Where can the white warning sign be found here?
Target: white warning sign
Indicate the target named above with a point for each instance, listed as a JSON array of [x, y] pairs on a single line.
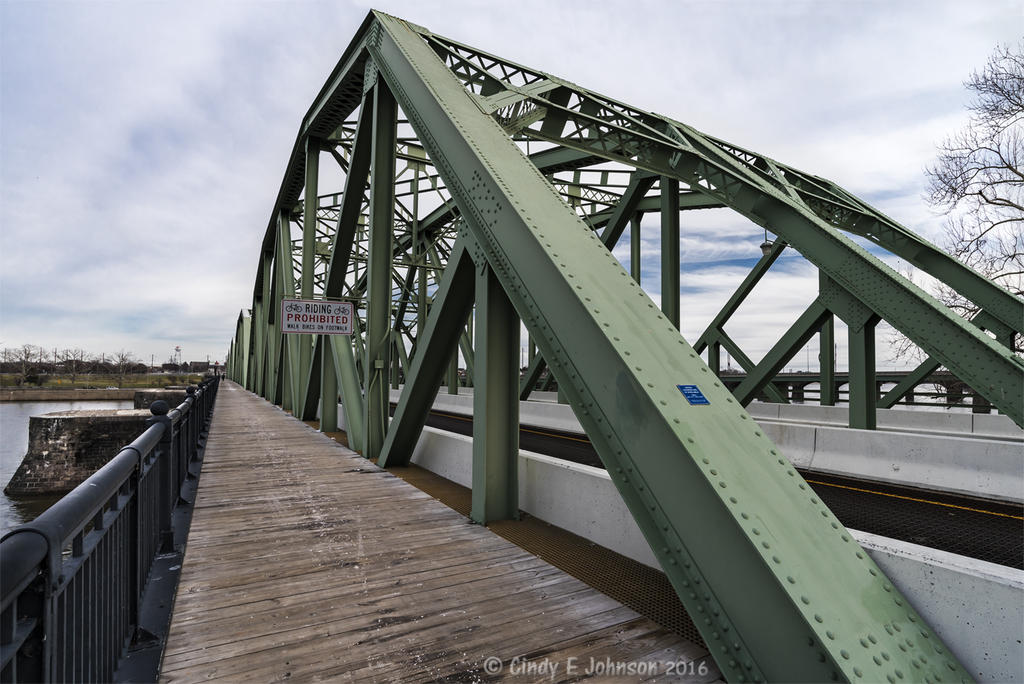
[[316, 317]]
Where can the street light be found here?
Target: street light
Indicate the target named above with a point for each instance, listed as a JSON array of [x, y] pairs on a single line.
[[766, 246]]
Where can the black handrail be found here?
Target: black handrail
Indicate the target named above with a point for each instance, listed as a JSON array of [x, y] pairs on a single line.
[[72, 580]]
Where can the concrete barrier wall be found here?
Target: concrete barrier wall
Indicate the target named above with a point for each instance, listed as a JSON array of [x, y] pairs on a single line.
[[543, 483], [977, 608], [543, 405], [964, 462], [941, 421], [992, 469], [540, 413]]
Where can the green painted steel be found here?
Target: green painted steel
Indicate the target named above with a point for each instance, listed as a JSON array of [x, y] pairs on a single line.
[[803, 329], [328, 385], [378, 315], [778, 588], [721, 508], [715, 334], [827, 363], [445, 323], [863, 388], [237, 367], [351, 393], [543, 107], [284, 287], [495, 401], [634, 248], [670, 249], [306, 408]]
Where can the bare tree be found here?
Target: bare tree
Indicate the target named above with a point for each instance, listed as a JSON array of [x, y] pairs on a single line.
[[25, 357], [123, 361], [74, 361], [978, 179]]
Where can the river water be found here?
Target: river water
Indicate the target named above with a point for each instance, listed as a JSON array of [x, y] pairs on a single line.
[[14, 417]]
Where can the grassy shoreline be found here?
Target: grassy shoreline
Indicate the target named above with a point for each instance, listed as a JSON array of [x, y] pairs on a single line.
[[100, 381], [99, 387]]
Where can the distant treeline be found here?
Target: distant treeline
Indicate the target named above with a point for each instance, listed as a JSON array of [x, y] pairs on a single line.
[[34, 365]]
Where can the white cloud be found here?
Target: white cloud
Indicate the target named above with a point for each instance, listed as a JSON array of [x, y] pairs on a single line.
[[142, 144]]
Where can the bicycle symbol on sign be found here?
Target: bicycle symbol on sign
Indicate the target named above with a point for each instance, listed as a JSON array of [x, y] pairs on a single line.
[[293, 308]]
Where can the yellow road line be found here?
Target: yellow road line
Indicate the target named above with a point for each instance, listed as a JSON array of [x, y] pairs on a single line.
[[910, 498]]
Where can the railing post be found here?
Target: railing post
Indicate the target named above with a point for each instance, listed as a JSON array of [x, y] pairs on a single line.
[[137, 528], [165, 471], [192, 429]]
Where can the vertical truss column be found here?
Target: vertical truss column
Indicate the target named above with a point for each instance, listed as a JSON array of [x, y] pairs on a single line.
[[827, 363], [304, 408], [670, 249], [328, 386], [495, 402], [863, 389], [634, 246], [309, 206], [284, 288], [252, 382], [453, 372], [860, 322], [351, 397], [715, 357], [264, 340], [378, 290], [396, 359]]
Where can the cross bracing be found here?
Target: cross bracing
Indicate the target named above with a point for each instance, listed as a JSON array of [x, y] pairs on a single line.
[[479, 193]]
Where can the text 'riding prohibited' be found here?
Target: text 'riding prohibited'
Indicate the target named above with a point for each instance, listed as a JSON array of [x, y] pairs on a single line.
[[316, 317]]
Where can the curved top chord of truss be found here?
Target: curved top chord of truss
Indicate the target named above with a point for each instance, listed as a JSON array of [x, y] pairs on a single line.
[[461, 166]]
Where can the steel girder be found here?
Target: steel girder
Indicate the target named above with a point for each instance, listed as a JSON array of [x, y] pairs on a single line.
[[777, 586], [237, 366], [735, 551], [804, 210]]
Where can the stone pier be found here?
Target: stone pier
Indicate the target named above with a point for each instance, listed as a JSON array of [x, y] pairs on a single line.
[[66, 447]]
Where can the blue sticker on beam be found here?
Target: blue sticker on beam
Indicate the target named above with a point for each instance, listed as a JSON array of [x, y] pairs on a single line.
[[693, 395]]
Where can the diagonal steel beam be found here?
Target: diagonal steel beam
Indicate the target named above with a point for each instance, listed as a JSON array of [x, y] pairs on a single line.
[[452, 304], [742, 292], [834, 204], [805, 327], [594, 124], [352, 201], [627, 207], [770, 390]]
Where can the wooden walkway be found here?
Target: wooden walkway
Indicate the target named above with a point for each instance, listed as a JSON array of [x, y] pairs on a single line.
[[307, 562]]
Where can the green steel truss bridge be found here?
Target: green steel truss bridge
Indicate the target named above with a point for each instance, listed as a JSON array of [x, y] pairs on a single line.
[[479, 193]]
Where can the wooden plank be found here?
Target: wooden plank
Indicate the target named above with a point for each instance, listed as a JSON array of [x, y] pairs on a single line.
[[306, 561]]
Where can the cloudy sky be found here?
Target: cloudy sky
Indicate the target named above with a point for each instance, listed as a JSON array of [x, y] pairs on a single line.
[[142, 143]]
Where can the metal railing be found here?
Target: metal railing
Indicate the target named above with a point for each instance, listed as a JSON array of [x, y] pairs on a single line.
[[72, 581]]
